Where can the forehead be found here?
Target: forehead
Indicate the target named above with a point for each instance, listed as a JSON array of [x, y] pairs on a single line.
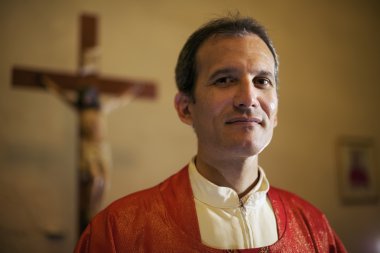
[[221, 50]]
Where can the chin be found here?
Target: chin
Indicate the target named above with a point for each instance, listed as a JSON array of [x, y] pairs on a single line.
[[245, 150], [250, 148]]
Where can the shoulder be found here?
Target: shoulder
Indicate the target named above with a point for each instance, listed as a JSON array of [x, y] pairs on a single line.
[[294, 204], [139, 203], [293, 199], [127, 212], [134, 200]]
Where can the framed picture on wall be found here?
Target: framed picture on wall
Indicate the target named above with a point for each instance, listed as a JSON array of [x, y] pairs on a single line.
[[357, 170]]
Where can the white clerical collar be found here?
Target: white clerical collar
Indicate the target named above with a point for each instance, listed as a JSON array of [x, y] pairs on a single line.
[[225, 197]]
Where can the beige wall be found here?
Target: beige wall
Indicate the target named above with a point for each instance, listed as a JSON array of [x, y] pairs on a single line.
[[329, 87]]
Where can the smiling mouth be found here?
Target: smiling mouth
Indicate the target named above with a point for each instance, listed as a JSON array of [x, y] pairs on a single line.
[[244, 121]]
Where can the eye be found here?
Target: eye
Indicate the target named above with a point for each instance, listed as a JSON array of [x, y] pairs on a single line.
[[224, 81], [262, 82]]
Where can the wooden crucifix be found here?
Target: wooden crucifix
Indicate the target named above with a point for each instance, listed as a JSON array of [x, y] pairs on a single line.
[[82, 91]]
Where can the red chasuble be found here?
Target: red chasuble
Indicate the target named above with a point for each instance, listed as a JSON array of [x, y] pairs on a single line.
[[164, 219]]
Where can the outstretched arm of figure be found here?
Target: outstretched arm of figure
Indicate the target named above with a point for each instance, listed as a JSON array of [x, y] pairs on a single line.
[[52, 87], [112, 103]]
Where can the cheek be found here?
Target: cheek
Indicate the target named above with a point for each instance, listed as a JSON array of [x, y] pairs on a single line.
[[269, 105], [273, 107], [213, 103]]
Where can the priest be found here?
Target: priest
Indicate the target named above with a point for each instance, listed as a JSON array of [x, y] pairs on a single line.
[[221, 201]]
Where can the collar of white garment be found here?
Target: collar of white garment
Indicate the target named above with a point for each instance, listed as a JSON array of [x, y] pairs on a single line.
[[225, 197]]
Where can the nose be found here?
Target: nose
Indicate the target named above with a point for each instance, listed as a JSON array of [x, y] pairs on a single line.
[[246, 94]]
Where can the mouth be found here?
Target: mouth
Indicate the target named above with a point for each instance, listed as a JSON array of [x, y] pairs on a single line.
[[244, 121]]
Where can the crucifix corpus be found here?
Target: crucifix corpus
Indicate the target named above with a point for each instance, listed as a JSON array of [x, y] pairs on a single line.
[[84, 92]]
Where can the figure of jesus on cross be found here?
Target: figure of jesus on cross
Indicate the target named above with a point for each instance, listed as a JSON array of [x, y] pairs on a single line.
[[82, 92]]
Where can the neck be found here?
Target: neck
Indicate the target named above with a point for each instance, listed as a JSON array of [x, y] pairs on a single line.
[[240, 174]]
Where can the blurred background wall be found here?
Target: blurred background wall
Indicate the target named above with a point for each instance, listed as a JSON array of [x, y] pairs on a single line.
[[329, 54]]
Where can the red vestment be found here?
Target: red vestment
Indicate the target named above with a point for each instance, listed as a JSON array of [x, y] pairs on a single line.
[[164, 219]]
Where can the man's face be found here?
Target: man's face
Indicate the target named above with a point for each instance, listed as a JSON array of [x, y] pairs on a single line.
[[235, 107]]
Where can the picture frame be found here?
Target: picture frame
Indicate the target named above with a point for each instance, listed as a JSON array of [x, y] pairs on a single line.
[[358, 183]]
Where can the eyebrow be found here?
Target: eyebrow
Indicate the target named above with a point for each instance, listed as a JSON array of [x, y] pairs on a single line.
[[266, 73], [231, 70], [223, 71]]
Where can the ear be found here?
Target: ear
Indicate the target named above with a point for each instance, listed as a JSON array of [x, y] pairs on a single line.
[[182, 103]]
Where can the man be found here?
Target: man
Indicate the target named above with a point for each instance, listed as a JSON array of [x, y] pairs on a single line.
[[221, 202]]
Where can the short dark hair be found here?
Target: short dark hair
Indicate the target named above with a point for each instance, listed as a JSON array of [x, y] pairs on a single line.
[[186, 69]]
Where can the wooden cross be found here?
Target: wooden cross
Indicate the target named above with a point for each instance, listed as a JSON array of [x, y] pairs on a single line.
[[87, 85]]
